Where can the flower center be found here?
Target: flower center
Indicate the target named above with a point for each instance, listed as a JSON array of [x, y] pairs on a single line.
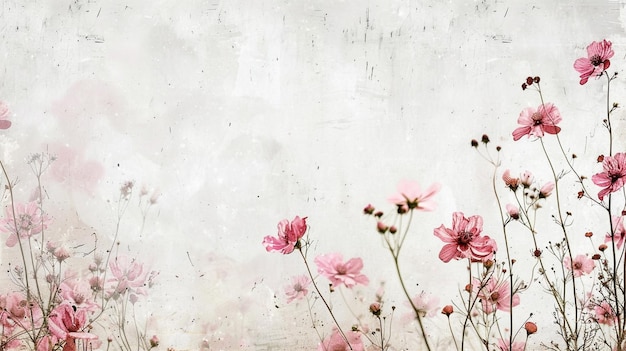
[[25, 222], [341, 269], [494, 296], [537, 118], [297, 287], [465, 238], [596, 60], [578, 265]]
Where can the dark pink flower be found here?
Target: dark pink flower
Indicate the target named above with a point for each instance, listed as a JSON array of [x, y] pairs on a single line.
[[298, 288], [605, 314], [579, 265], [495, 295], [619, 233], [536, 122], [66, 322], [614, 175], [410, 196], [335, 342], [29, 219], [464, 239], [4, 116], [596, 62], [288, 236], [349, 273]]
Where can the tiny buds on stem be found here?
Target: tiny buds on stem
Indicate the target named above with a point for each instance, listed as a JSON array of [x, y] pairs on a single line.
[[381, 227], [531, 328], [474, 143], [536, 80], [375, 308], [485, 139], [369, 209], [378, 214], [468, 287], [488, 264], [595, 257], [600, 158], [602, 247], [581, 194], [537, 253], [393, 229], [588, 234], [529, 80]]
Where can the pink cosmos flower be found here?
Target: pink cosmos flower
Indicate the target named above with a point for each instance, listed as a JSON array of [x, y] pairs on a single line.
[[618, 231], [66, 322], [16, 311], [410, 196], [288, 236], [604, 314], [29, 222], [77, 291], [427, 306], [527, 179], [614, 175], [128, 276], [503, 345], [546, 190], [335, 342], [298, 288], [538, 121], [349, 273], [463, 240], [596, 62], [580, 265], [495, 295], [510, 182], [4, 116], [513, 211]]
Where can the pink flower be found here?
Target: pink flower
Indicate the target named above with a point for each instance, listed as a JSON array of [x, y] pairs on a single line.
[[77, 291], [495, 295], [580, 265], [298, 288], [546, 190], [128, 275], [618, 231], [614, 175], [596, 62], [410, 196], [335, 342], [526, 179], [288, 236], [513, 211], [510, 182], [604, 314], [427, 306], [66, 322], [463, 240], [503, 345], [4, 116], [29, 222], [349, 273], [538, 121]]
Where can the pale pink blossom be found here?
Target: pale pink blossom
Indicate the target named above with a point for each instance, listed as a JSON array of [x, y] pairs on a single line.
[[289, 235], [605, 314], [298, 288], [28, 221], [128, 276], [536, 122], [505, 345], [426, 305], [596, 62], [579, 266], [464, 239], [526, 179], [411, 196], [495, 295], [349, 273], [16, 311], [614, 175], [66, 322], [335, 342], [4, 116], [77, 291], [513, 211], [546, 190], [618, 231]]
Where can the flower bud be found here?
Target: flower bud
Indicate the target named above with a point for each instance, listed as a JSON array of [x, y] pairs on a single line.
[[602, 247], [474, 143], [595, 257], [369, 209], [154, 341], [393, 229], [447, 310], [531, 328], [381, 227], [588, 234], [375, 308], [529, 80]]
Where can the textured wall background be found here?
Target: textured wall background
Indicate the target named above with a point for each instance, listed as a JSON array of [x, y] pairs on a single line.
[[243, 113]]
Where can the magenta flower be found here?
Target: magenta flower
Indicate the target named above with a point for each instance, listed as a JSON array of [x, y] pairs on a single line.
[[463, 240], [614, 175], [29, 219], [4, 116], [288, 236], [410, 196], [298, 288], [67, 322], [605, 314], [618, 232], [495, 295], [580, 265], [335, 342], [349, 273], [596, 62], [538, 121]]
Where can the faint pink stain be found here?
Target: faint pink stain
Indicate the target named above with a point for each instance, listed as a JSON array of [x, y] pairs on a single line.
[[72, 169]]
